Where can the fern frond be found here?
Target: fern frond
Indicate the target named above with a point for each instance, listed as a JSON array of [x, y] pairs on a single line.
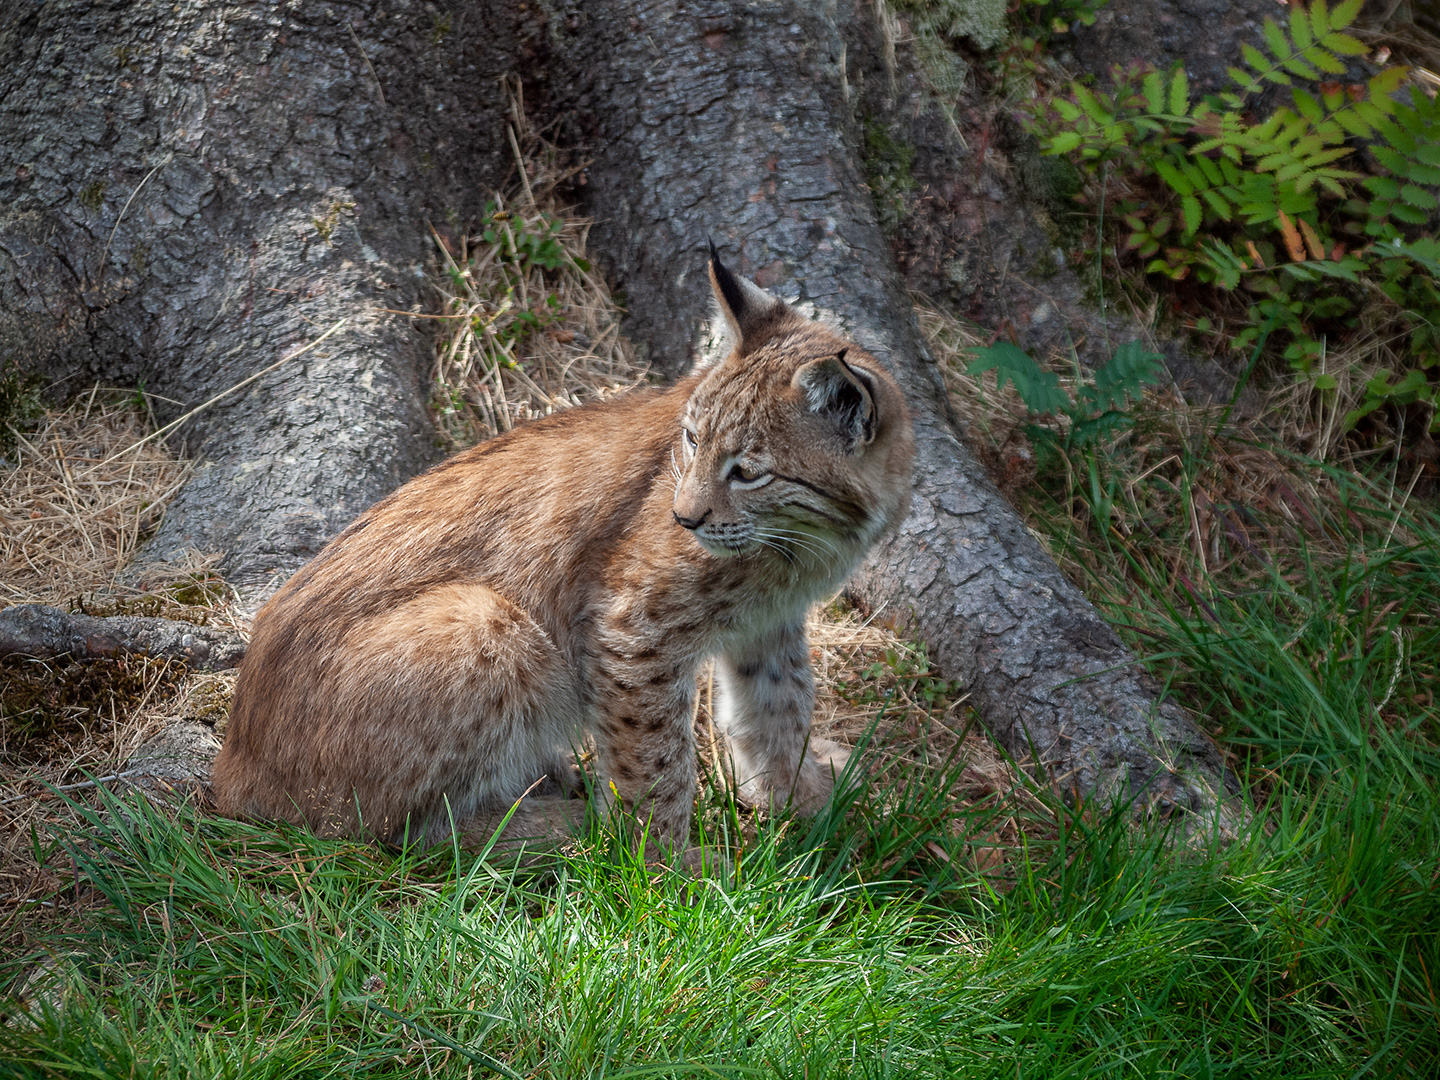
[[1038, 389], [1180, 93], [1124, 376]]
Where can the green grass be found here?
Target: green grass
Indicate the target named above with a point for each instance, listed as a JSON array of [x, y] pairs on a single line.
[[864, 943]]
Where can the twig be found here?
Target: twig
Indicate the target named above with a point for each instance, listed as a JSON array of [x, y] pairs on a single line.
[[225, 393], [126, 775], [356, 38], [105, 255], [520, 164]]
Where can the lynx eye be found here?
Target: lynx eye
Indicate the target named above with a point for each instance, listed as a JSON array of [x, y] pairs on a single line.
[[747, 481], [691, 443]]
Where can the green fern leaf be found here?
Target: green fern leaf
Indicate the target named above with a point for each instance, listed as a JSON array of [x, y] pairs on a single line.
[[1408, 214], [1345, 13], [1324, 61], [1223, 261], [1124, 377], [1391, 159], [1092, 107], [1063, 142], [1382, 187], [1243, 79], [1217, 203], [1068, 110], [1257, 60], [1418, 197], [1276, 39], [1347, 269], [1154, 90], [1192, 213], [1175, 178], [1180, 94], [1319, 19], [1373, 115], [1300, 27], [1345, 45], [1196, 175], [1381, 86], [1038, 389], [1425, 251], [1354, 123], [1307, 106]]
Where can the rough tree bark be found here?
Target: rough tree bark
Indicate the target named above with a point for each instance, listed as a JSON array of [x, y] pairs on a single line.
[[190, 192]]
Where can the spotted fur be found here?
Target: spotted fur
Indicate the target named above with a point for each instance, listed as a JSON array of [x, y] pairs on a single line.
[[450, 647]]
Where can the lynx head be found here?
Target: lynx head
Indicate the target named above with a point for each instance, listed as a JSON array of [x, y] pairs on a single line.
[[797, 443]]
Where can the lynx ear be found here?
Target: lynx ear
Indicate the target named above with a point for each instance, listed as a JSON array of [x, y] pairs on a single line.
[[834, 389], [747, 308]]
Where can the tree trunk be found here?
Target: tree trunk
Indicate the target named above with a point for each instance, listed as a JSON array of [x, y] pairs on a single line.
[[191, 192], [734, 120]]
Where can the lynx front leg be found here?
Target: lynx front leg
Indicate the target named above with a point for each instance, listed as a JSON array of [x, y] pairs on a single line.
[[766, 696], [646, 744]]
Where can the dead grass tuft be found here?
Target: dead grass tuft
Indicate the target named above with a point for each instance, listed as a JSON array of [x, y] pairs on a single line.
[[79, 501], [528, 326]]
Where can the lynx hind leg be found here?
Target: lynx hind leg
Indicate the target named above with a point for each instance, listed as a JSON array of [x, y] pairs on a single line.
[[463, 703], [539, 824], [767, 694]]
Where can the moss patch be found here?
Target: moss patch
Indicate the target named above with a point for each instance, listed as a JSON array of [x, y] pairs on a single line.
[[48, 709], [889, 164]]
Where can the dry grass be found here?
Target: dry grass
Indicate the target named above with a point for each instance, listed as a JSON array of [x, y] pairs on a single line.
[[79, 501], [528, 326]]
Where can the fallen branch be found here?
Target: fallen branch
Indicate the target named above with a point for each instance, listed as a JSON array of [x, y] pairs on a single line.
[[45, 632], [126, 775]]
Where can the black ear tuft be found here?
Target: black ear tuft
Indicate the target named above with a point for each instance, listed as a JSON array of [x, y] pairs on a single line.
[[751, 312], [727, 287]]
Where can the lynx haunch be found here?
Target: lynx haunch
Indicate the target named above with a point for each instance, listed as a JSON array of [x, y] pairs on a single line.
[[451, 646]]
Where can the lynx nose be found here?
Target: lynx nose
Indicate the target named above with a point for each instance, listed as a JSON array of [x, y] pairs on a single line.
[[691, 523]]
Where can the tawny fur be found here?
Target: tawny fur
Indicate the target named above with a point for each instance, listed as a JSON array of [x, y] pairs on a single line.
[[450, 647]]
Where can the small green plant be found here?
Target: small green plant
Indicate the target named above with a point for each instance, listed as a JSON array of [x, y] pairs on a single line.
[[888, 165], [443, 26], [904, 669], [325, 225], [1319, 215], [1096, 410], [527, 243]]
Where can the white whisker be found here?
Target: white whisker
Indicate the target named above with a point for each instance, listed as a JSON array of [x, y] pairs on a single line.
[[808, 539], [778, 540]]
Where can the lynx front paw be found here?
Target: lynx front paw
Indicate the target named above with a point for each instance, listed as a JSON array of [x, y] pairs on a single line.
[[806, 789]]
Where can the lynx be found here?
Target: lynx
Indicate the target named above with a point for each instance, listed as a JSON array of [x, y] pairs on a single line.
[[453, 644]]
